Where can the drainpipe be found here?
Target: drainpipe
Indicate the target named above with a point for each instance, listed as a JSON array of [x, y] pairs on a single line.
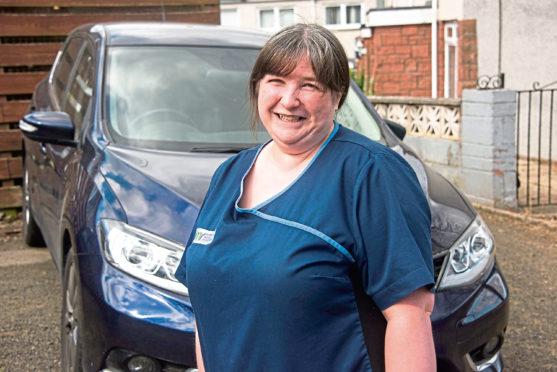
[[434, 50]]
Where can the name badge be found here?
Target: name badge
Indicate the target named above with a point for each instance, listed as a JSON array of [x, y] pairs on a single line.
[[203, 236]]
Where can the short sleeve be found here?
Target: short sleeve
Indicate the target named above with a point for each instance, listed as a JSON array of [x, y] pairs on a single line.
[[392, 230]]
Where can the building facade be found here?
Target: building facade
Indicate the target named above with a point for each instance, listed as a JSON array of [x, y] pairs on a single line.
[[478, 43]]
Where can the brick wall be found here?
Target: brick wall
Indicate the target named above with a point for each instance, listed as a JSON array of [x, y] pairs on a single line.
[[399, 59], [468, 52]]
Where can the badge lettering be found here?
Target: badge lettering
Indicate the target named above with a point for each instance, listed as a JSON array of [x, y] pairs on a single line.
[[203, 236]]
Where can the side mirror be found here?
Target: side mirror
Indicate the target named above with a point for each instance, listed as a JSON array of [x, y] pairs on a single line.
[[49, 127], [396, 128]]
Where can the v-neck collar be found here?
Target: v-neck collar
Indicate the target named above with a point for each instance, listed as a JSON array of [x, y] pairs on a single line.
[[264, 203]]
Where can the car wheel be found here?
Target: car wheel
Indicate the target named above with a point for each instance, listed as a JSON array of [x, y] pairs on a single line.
[[71, 317], [31, 233]]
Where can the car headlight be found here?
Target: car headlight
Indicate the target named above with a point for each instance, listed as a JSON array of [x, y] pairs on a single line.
[[141, 254], [469, 258]]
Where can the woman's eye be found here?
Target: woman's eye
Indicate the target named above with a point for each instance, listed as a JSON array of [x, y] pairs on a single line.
[[312, 86], [274, 80]]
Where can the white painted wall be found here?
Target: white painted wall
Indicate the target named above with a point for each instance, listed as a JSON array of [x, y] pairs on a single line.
[[450, 10], [529, 42]]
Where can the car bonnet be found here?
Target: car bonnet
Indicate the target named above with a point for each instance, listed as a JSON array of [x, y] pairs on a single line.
[[160, 191]]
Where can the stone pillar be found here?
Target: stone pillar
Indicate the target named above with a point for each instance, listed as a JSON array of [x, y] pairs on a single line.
[[488, 147]]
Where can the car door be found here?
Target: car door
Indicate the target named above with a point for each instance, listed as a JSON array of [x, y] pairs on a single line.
[[72, 88]]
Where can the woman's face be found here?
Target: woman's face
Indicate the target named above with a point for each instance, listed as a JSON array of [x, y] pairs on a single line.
[[296, 109]]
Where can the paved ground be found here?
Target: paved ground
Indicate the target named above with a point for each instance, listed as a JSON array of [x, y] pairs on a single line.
[[30, 295], [30, 298], [527, 254]]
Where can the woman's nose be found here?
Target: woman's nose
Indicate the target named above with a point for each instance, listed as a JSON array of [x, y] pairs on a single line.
[[290, 97]]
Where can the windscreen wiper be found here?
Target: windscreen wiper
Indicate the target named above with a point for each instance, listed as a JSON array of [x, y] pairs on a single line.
[[219, 149]]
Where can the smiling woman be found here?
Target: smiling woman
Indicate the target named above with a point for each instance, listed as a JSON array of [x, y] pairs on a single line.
[[278, 279]]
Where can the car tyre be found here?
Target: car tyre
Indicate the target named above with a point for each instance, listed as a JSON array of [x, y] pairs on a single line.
[[31, 233], [71, 316]]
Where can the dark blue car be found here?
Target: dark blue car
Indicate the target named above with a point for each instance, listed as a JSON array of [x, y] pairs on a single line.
[[121, 141]]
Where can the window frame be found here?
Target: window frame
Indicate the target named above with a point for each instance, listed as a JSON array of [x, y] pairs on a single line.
[[343, 16], [276, 17], [450, 40], [236, 22], [399, 4]]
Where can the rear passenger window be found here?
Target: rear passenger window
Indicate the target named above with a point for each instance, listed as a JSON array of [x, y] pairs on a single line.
[[80, 88], [63, 70]]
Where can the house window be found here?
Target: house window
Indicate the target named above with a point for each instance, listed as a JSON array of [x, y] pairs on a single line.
[[353, 13], [229, 17], [387, 4], [332, 15], [286, 17], [276, 18], [343, 15], [451, 60]]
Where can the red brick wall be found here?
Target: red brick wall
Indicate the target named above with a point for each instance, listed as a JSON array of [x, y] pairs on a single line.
[[399, 59], [468, 55]]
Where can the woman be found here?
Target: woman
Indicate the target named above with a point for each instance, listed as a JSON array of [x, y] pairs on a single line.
[[292, 230]]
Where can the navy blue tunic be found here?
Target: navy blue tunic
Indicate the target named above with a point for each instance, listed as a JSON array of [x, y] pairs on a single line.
[[270, 285]]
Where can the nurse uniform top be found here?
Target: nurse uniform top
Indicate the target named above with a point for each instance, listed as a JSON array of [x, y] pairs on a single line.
[[271, 286]]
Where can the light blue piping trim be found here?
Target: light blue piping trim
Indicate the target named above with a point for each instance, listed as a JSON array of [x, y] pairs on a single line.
[[308, 229], [245, 175], [264, 203], [283, 221]]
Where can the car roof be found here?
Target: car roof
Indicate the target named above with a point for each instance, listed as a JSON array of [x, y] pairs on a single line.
[[169, 33]]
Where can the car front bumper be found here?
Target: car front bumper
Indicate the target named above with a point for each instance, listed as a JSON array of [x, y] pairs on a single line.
[[469, 325], [124, 317]]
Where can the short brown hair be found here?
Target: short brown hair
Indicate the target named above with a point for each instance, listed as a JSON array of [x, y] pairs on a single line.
[[283, 51]]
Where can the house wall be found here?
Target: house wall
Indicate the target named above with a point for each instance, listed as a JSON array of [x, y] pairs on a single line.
[[248, 17], [468, 55], [248, 12], [529, 40], [398, 58]]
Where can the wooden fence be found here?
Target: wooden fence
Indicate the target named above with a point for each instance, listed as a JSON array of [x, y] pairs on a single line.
[[32, 31]]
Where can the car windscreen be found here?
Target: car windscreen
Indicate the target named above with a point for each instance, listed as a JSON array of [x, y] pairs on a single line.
[[192, 99]]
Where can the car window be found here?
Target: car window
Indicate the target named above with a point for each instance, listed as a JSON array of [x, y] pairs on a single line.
[[63, 69], [355, 115], [179, 97], [192, 98], [81, 88]]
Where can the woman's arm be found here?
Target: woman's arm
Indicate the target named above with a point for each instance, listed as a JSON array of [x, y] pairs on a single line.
[[408, 339], [200, 367]]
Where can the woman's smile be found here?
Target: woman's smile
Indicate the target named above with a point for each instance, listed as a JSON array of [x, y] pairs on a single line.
[[290, 118]]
